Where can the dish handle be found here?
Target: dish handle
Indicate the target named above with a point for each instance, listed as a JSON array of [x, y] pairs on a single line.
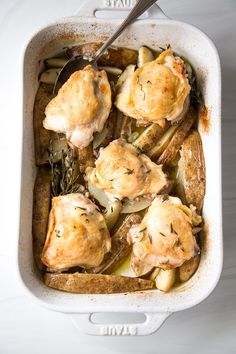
[[90, 7], [153, 322]]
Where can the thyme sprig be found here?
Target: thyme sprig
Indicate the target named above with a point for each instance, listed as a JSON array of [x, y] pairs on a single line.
[[64, 177]]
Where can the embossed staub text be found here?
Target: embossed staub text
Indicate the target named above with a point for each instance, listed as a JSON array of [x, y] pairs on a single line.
[[118, 330], [119, 3]]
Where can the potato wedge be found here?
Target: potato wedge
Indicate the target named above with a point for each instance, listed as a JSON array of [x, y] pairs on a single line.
[[165, 279], [133, 206], [112, 213], [162, 143], [154, 274], [49, 76], [103, 138], [120, 248], [86, 157], [41, 207], [139, 267], [55, 62], [125, 268], [191, 176], [150, 136], [129, 70], [42, 136], [177, 140], [95, 283], [187, 270], [145, 55], [111, 70], [117, 57]]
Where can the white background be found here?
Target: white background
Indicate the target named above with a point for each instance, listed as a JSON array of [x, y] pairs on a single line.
[[26, 328]]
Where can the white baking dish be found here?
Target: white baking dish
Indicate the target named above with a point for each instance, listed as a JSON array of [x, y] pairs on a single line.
[[155, 30]]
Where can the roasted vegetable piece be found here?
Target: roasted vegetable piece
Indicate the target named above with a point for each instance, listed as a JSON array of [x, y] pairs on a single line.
[[162, 143], [120, 248], [191, 176], [133, 206], [189, 268], [86, 158], [55, 62], [118, 57], [174, 145], [150, 136], [95, 283], [41, 206], [145, 55], [165, 279], [139, 267], [111, 70], [103, 138], [112, 213], [42, 136], [49, 76]]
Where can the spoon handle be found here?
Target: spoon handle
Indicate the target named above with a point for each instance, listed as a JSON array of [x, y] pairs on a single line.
[[140, 7]]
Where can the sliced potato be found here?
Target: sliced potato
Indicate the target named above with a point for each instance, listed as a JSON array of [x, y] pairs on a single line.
[[96, 192], [133, 267], [154, 273], [161, 144], [42, 136], [49, 76], [55, 62], [123, 77], [99, 137], [113, 56], [111, 70], [139, 267], [191, 176], [112, 213], [103, 138], [165, 279], [150, 136], [145, 55], [187, 270], [95, 283], [133, 206], [41, 207], [86, 157], [177, 139], [125, 268], [120, 248]]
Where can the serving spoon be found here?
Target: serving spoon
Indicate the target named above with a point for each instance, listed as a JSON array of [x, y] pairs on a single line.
[[79, 62]]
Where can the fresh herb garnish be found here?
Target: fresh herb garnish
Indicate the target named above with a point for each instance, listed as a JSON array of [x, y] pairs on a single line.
[[172, 230], [143, 230], [150, 238], [139, 150], [64, 173], [129, 171], [177, 243], [162, 234], [80, 208]]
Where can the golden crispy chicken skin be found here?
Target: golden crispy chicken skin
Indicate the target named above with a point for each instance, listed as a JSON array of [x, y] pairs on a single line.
[[157, 90], [77, 234], [125, 173], [164, 238], [81, 106]]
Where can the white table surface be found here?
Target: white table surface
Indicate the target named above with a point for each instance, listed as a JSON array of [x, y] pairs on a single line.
[[26, 328]]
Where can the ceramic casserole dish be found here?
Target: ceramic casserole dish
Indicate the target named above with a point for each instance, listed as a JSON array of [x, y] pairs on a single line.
[[154, 30]]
